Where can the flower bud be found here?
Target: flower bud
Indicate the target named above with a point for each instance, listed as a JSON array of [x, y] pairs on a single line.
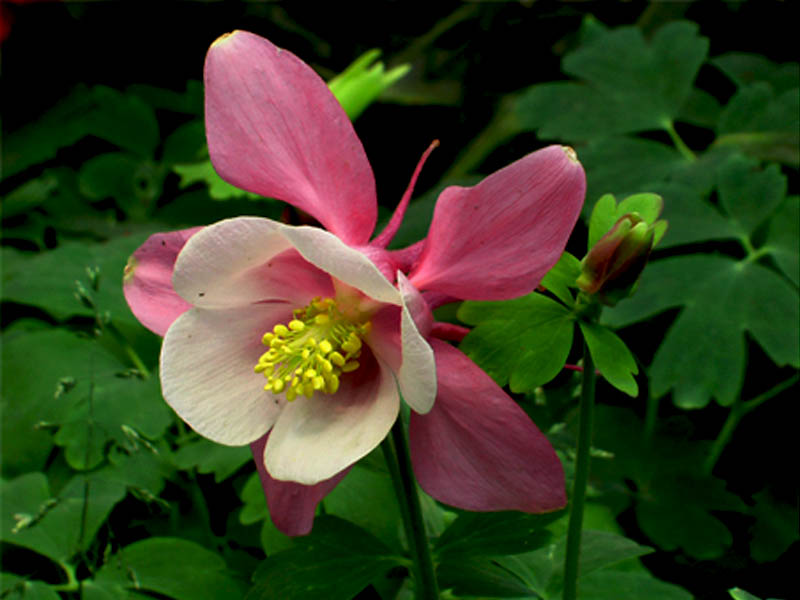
[[613, 265]]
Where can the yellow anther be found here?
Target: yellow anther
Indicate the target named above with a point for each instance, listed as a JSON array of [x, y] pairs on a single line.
[[291, 394], [322, 319], [268, 337], [327, 367], [336, 359], [296, 325], [318, 383], [333, 384], [309, 374], [325, 346], [277, 386], [351, 366], [280, 330]]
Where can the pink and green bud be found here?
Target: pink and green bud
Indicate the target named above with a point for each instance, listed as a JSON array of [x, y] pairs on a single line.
[[611, 269]]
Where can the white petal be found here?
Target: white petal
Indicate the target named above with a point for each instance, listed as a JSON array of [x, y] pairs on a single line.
[[317, 437], [218, 267], [417, 374], [207, 375], [346, 264]]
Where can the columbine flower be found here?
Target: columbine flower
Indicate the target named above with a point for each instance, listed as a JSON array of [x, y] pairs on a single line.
[[301, 341]]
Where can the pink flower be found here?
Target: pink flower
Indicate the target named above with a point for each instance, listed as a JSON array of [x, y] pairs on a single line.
[[346, 324]]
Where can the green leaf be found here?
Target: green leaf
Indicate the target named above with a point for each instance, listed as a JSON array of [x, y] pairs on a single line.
[[561, 277], [31, 278], [493, 534], [523, 342], [58, 527], [188, 102], [762, 123], [628, 84], [740, 594], [543, 570], [209, 457], [218, 188], [32, 395], [479, 577], [775, 527], [744, 69], [674, 500], [748, 194], [186, 144], [360, 84], [335, 562], [174, 567], [366, 498], [30, 194], [722, 298], [612, 585], [611, 357], [13, 587], [784, 231]]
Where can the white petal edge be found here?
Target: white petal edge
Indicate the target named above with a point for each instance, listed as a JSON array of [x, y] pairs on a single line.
[[215, 267], [326, 251], [207, 375], [315, 438], [417, 374]]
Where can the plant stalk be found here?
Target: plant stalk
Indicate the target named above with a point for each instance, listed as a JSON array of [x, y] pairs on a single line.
[[581, 477], [398, 460]]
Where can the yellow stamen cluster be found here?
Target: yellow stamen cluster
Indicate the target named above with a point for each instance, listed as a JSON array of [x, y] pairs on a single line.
[[311, 352]]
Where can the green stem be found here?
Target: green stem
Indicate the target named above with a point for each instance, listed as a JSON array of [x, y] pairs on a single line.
[[126, 346], [739, 410], [398, 459], [581, 477], [685, 151], [650, 418], [72, 584]]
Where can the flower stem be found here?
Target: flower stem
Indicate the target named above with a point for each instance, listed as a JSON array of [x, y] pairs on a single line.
[[685, 151], [395, 451], [739, 410], [581, 477]]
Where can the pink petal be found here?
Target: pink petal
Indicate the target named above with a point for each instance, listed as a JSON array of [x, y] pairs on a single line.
[[316, 438], [477, 449], [498, 239], [241, 261], [207, 374], [147, 283], [291, 505], [274, 129]]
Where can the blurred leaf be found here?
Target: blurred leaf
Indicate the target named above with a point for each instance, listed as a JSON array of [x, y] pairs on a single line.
[[186, 144], [522, 342], [335, 562], [59, 527], [366, 498], [703, 353], [30, 394], [255, 505], [740, 594], [775, 528], [134, 183], [628, 84], [744, 69], [173, 567], [783, 236], [611, 357], [209, 457], [493, 534], [188, 102], [125, 121], [479, 577], [204, 172], [561, 277], [30, 278], [763, 124], [30, 194], [360, 84], [701, 109], [13, 587]]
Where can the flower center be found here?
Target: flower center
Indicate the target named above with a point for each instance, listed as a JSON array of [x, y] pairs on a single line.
[[311, 351]]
